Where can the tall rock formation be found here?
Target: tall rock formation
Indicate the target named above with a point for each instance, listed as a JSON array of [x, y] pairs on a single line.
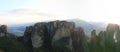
[[110, 36], [55, 34], [37, 35], [79, 41], [3, 30], [62, 35], [27, 36]]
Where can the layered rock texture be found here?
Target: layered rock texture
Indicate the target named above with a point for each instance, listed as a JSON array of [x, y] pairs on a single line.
[[54, 34]]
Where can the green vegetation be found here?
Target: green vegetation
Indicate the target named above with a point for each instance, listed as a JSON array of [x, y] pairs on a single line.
[[105, 41], [11, 45]]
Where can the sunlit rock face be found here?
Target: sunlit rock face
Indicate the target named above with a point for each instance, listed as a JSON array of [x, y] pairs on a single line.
[[112, 27], [111, 30], [111, 34], [3, 30], [62, 35]]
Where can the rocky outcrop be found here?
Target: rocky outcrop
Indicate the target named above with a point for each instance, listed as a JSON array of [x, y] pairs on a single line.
[[55, 34], [37, 36], [26, 39], [112, 27], [111, 31], [62, 35], [79, 41], [3, 30]]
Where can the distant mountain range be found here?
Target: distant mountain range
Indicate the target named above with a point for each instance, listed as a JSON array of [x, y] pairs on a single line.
[[89, 26], [18, 29]]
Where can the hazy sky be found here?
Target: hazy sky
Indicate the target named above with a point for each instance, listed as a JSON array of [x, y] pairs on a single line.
[[89, 10]]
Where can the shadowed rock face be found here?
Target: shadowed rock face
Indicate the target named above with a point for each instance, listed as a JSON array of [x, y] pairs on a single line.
[[37, 35], [27, 36], [3, 30]]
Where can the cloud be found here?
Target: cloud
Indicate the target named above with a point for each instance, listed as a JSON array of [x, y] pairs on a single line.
[[27, 15]]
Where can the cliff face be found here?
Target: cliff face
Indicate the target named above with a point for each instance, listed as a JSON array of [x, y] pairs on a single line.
[[27, 36], [79, 40], [62, 36], [53, 34], [37, 35]]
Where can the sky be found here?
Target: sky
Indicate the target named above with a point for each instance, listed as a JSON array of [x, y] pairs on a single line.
[[23, 11]]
